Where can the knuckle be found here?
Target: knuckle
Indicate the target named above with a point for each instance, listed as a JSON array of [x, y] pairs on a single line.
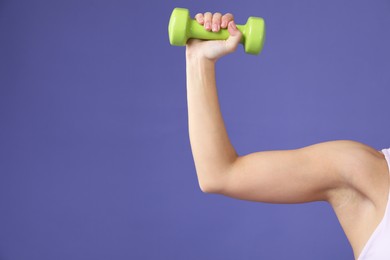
[[216, 18], [199, 17], [229, 16]]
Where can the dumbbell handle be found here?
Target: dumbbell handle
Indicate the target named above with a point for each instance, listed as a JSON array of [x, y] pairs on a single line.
[[198, 31]]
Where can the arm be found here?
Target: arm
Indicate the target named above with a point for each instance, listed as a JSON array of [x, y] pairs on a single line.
[[211, 147], [317, 172], [352, 177], [330, 171]]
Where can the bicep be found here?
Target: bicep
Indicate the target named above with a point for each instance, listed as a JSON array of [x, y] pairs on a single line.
[[291, 176]]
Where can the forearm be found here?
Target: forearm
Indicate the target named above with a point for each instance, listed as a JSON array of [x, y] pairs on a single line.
[[211, 148]]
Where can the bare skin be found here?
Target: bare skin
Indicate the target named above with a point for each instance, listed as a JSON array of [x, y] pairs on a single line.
[[352, 177]]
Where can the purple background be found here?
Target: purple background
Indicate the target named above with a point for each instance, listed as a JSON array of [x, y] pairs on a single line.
[[95, 161]]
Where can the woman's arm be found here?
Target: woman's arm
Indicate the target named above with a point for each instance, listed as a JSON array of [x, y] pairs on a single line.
[[330, 171], [352, 177], [211, 148], [307, 174]]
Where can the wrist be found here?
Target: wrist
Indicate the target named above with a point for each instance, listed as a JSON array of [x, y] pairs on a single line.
[[194, 59], [200, 72], [197, 57]]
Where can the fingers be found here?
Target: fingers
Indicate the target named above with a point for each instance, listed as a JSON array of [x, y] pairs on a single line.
[[233, 30], [214, 22], [234, 39], [226, 19], [199, 18], [207, 21]]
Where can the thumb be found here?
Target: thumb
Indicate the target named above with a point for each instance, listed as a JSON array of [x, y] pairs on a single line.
[[234, 38]]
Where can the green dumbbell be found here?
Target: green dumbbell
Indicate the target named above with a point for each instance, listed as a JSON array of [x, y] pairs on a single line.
[[181, 27]]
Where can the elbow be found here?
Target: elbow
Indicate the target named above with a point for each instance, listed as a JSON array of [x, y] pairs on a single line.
[[215, 184], [207, 188]]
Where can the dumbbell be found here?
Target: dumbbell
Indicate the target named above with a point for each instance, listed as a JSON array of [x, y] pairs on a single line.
[[181, 27]]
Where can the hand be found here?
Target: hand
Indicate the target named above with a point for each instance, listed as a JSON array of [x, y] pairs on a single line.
[[213, 50]]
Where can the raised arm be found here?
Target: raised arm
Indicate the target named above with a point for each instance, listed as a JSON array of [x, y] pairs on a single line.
[[211, 147], [351, 176], [317, 172]]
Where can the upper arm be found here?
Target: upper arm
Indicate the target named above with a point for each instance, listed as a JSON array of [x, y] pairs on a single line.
[[302, 175]]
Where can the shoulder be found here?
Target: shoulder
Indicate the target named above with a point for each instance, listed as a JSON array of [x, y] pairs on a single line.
[[360, 167], [363, 168], [361, 199]]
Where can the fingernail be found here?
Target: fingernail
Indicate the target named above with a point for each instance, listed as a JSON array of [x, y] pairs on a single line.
[[207, 25], [215, 28], [233, 25], [224, 24]]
